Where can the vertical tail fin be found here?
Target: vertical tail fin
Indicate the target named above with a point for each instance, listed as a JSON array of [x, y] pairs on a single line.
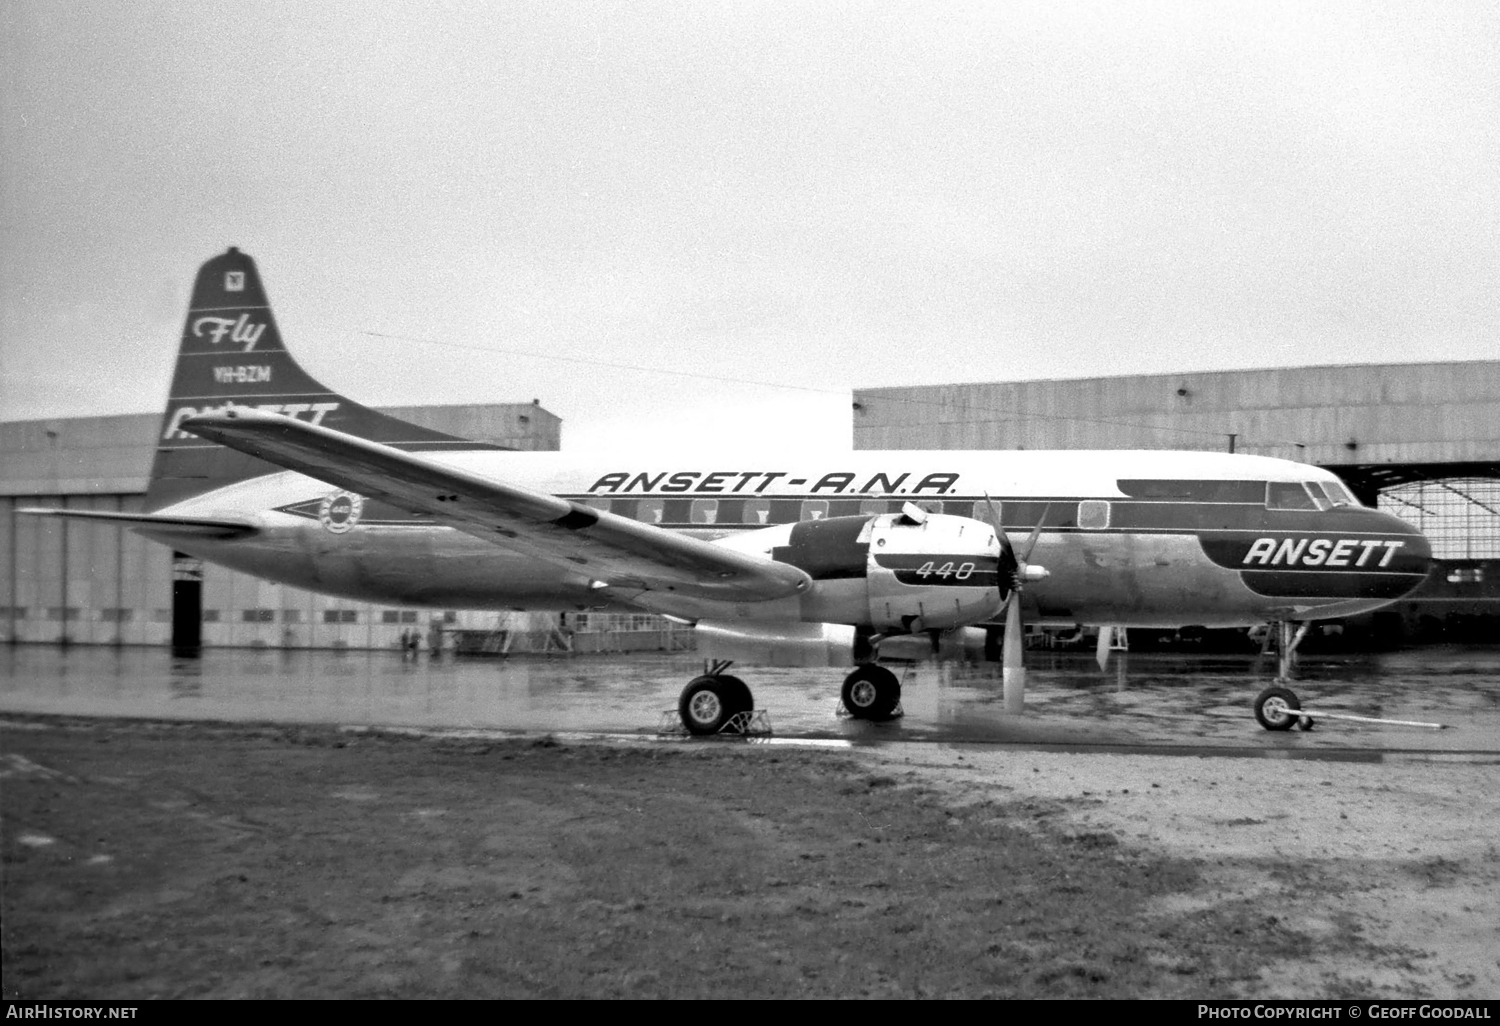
[[232, 355]]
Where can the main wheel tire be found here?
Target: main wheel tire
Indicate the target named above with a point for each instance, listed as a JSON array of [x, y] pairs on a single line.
[[737, 692], [871, 692], [707, 703], [1276, 708]]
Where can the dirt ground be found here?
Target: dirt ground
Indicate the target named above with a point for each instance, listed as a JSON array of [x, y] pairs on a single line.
[[146, 859]]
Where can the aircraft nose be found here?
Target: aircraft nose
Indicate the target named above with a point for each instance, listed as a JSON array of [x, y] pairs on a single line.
[[1411, 563], [1416, 547]]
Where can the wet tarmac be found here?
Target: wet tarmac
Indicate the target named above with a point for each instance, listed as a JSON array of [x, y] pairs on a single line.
[[1172, 704]]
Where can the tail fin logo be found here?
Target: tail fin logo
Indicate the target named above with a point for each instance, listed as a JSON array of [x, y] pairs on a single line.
[[234, 281], [239, 332], [174, 432]]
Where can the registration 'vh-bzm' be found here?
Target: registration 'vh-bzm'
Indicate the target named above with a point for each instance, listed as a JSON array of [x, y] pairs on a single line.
[[794, 560]]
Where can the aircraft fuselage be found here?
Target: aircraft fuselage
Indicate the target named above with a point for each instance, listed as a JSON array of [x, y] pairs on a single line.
[[1148, 539]]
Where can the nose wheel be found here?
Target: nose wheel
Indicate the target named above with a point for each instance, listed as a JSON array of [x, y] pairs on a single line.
[[1276, 708]]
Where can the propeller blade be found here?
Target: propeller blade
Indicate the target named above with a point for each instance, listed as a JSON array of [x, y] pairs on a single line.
[[1012, 658], [1036, 532], [1010, 566], [1101, 649]]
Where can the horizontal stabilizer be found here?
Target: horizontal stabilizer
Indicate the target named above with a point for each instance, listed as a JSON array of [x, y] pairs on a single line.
[[202, 527]]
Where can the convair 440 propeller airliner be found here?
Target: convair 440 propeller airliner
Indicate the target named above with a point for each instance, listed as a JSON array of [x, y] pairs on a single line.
[[784, 560]]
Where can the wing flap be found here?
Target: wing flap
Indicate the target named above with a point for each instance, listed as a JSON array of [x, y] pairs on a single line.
[[604, 547]]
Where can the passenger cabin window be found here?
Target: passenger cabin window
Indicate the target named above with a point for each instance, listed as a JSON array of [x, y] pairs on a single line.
[[1093, 514], [651, 510], [1289, 495], [704, 511], [814, 509], [1176, 490], [757, 511]]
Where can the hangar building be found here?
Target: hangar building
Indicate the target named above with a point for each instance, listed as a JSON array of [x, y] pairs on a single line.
[[90, 583], [1421, 440]]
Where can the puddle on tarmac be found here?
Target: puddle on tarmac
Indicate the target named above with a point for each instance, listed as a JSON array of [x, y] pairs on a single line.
[[1142, 699]]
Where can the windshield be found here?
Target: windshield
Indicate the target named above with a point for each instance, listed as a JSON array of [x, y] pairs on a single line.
[[1337, 494], [1290, 495]]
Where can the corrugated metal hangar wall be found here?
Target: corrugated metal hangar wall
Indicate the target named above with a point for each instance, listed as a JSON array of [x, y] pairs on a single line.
[[88, 583], [1421, 440], [1331, 416]]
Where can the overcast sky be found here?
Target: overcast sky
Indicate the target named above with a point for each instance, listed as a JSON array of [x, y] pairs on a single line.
[[447, 199]]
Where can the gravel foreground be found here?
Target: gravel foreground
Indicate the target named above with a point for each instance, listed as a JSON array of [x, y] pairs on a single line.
[[158, 860]]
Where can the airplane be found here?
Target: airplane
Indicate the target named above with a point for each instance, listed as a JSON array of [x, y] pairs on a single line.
[[788, 559]]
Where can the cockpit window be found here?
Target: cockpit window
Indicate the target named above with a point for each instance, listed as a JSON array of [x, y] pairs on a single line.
[[1290, 495], [1337, 494]]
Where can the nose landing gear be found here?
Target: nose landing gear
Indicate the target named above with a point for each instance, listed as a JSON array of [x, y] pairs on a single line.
[[1276, 707]]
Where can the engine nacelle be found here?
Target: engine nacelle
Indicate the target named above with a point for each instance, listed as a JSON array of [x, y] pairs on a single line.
[[892, 571], [942, 572], [962, 644], [832, 644], [777, 644]]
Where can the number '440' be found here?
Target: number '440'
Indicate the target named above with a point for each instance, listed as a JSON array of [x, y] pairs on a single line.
[[959, 573]]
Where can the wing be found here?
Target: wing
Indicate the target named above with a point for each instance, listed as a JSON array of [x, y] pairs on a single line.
[[609, 549], [202, 527]]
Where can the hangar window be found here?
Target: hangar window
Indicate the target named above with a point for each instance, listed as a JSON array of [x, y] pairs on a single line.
[[291, 616], [341, 616], [757, 511], [1289, 495], [115, 614], [704, 511], [1093, 514], [210, 616], [257, 615], [1459, 516], [814, 509], [13, 612]]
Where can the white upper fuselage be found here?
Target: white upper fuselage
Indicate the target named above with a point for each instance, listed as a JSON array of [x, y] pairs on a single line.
[[1143, 538]]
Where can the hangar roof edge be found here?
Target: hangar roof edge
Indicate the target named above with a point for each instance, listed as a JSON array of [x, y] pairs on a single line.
[[1490, 365]]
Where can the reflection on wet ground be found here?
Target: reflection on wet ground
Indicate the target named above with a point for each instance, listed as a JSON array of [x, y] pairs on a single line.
[[1190, 705]]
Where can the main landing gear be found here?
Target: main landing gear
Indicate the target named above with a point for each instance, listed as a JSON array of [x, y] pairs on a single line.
[[1276, 708], [711, 702], [871, 692]]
